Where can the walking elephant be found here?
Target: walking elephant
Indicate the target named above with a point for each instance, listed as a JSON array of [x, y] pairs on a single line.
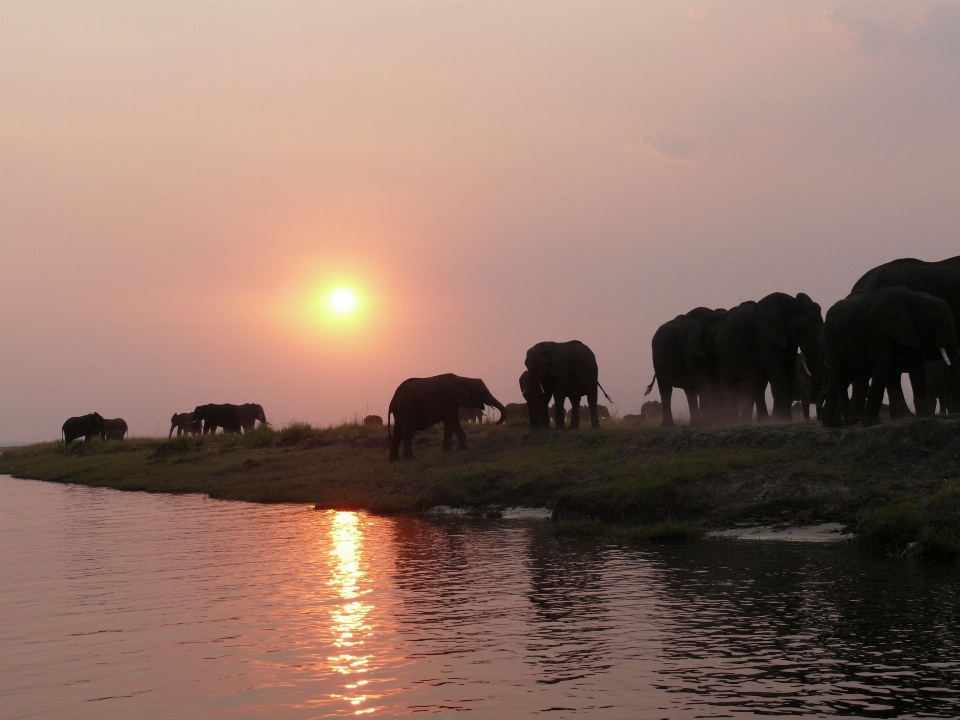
[[85, 426], [684, 357], [419, 403], [563, 371], [218, 416], [939, 279], [185, 424], [114, 429], [250, 413], [866, 334], [757, 344]]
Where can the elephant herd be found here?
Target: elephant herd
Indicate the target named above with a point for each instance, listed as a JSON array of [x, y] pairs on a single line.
[[204, 419], [207, 418], [903, 316], [900, 317]]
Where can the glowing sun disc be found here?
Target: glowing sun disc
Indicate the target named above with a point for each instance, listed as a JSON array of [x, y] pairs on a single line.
[[342, 301]]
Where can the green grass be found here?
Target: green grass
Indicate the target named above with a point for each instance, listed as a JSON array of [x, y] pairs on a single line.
[[926, 528]]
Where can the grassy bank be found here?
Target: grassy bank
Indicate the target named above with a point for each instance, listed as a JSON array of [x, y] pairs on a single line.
[[669, 483]]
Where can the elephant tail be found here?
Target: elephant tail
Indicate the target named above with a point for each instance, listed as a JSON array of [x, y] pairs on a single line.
[[389, 413], [609, 399], [650, 386]]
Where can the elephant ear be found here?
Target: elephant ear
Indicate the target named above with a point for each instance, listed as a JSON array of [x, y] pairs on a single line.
[[694, 342], [460, 394], [772, 322], [892, 315]]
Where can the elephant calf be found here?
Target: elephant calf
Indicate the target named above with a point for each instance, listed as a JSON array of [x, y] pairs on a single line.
[[374, 420], [419, 403], [85, 426], [185, 424], [114, 429]]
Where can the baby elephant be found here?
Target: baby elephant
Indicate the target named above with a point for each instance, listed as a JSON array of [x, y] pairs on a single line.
[[114, 429], [186, 424], [374, 420], [419, 403]]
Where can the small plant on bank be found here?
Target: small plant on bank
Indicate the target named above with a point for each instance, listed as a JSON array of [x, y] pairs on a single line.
[[927, 530]]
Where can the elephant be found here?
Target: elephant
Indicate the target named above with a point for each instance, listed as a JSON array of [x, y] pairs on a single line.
[[250, 413], [684, 357], [940, 279], [186, 424], [651, 410], [374, 420], [866, 334], [86, 426], [603, 412], [223, 416], [561, 371], [808, 390], [419, 403], [757, 344], [470, 414], [515, 411], [939, 388], [633, 418], [114, 429]]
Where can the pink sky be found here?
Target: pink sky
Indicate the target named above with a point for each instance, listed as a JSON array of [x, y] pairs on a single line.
[[178, 181]]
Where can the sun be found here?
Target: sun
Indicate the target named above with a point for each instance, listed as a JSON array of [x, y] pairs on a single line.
[[343, 301]]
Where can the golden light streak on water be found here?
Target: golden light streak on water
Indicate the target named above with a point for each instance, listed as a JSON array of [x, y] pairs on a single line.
[[350, 628]]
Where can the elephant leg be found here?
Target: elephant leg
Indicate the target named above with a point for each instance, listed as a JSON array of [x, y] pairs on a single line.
[[861, 387], [918, 381], [666, 395], [559, 412], [898, 403], [447, 436], [408, 432], [805, 410], [694, 405], [594, 418], [395, 441], [461, 435]]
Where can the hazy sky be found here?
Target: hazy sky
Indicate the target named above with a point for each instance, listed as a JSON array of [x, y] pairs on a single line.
[[183, 183]]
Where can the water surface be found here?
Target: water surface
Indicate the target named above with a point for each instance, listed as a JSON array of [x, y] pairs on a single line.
[[127, 605]]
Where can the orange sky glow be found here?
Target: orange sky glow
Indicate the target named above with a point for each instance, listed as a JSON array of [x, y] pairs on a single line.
[[184, 185]]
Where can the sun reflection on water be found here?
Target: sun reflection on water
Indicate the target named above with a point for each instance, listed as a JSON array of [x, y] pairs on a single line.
[[350, 627]]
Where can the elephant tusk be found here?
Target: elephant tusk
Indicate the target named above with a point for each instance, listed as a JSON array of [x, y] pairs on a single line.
[[945, 358], [803, 361]]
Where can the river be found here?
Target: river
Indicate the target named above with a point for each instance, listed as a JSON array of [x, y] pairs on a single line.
[[129, 605]]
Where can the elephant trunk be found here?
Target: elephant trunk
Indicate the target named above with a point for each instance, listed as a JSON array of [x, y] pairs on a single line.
[[496, 403]]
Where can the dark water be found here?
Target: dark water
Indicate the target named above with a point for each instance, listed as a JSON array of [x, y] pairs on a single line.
[[120, 605]]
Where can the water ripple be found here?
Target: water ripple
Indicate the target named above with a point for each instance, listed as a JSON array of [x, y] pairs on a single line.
[[124, 605]]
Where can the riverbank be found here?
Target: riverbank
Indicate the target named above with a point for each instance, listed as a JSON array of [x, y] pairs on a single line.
[[878, 479]]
